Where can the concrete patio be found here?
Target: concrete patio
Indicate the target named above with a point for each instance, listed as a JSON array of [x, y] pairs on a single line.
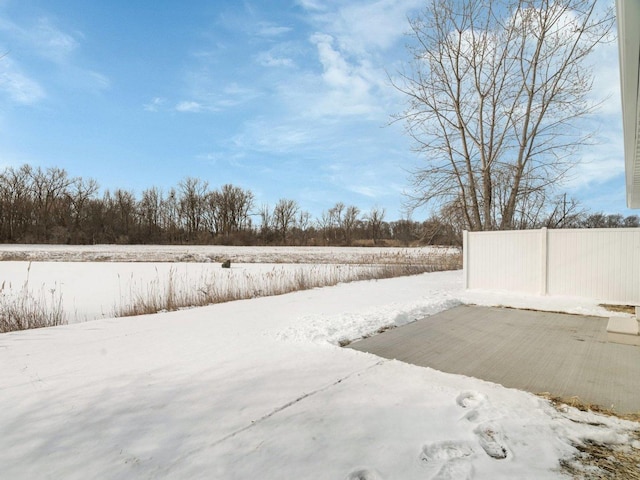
[[540, 352]]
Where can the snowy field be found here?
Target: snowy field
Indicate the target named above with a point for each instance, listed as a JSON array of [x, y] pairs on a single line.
[[259, 389], [215, 253], [93, 290]]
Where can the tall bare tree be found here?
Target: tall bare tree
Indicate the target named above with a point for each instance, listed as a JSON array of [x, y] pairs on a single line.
[[374, 221], [193, 195], [49, 188], [16, 205], [349, 221], [284, 217], [230, 207], [495, 91], [150, 210]]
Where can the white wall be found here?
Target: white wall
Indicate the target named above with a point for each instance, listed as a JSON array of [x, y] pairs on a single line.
[[603, 264]]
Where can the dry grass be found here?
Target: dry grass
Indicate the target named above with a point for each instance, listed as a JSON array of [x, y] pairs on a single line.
[[619, 308], [27, 309], [599, 461], [575, 402], [175, 293]]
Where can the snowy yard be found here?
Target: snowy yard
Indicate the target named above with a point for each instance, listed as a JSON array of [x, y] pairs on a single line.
[[260, 389]]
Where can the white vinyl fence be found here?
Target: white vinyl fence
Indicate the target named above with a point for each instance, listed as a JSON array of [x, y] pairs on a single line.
[[603, 264]]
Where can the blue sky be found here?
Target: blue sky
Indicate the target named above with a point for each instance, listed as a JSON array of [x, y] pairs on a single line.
[[290, 99]]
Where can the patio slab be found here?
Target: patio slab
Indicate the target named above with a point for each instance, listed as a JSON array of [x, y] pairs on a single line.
[[540, 352]]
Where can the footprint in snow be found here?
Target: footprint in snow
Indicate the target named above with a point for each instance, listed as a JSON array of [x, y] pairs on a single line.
[[452, 458], [492, 441], [470, 399], [363, 474], [444, 451], [455, 470]]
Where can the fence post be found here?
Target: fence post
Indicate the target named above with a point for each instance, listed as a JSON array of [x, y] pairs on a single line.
[[465, 259], [544, 267]]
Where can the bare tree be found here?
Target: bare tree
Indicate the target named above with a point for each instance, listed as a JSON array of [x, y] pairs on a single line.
[[49, 188], [230, 207], [150, 209], [374, 219], [566, 213], [193, 194], [16, 204], [495, 90], [82, 192], [284, 216], [170, 216], [266, 223], [123, 214], [632, 221], [325, 225], [349, 221], [303, 226]]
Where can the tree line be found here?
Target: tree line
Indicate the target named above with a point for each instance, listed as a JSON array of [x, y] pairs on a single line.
[[48, 206]]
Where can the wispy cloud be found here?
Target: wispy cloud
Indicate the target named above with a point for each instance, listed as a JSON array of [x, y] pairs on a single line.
[[18, 86], [282, 54], [42, 38], [312, 5], [261, 135], [361, 27], [50, 42], [189, 106], [606, 84], [268, 59], [155, 104], [267, 29], [352, 42], [202, 100], [348, 86]]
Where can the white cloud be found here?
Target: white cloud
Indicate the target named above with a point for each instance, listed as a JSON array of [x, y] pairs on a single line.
[[51, 42], [266, 29], [189, 106], [19, 87], [360, 26], [206, 95], [266, 136], [155, 104], [366, 190], [44, 39], [347, 86], [267, 59], [282, 54], [606, 81], [315, 5]]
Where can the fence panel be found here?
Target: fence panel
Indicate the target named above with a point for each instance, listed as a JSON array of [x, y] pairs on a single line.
[[596, 263], [599, 263], [508, 260]]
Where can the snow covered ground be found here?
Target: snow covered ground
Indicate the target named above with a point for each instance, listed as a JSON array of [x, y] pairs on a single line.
[[260, 389], [92, 290], [215, 253]]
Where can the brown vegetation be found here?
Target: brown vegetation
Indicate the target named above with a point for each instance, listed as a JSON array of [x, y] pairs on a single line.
[[174, 293], [599, 461], [28, 309], [48, 206]]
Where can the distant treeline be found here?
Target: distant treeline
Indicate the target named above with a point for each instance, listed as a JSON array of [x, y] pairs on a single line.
[[48, 206]]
